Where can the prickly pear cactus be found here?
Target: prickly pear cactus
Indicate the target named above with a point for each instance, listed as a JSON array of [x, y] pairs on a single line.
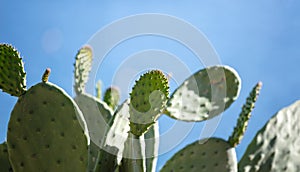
[[276, 146], [151, 138], [205, 94], [46, 132], [115, 139], [12, 74], [83, 65], [244, 117], [209, 155], [4, 161], [147, 101], [112, 97]]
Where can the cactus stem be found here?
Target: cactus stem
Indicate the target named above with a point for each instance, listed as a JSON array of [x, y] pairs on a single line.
[[244, 117]]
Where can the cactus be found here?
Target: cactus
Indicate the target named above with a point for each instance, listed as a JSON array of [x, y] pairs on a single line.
[[244, 117], [211, 154], [4, 159], [12, 74], [147, 101], [205, 94], [276, 146], [47, 132], [112, 97], [151, 138]]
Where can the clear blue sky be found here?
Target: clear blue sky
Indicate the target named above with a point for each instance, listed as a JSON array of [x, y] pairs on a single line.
[[260, 39]]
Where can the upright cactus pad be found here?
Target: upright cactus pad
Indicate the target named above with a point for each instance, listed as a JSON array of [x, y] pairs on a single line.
[[12, 74], [151, 138], [147, 101], [4, 161], [115, 139], [244, 117], [276, 147], [213, 155], [112, 97], [83, 65], [205, 94], [47, 132]]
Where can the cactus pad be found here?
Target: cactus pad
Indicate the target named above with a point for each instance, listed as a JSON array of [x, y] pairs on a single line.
[[12, 74], [244, 117], [47, 132], [151, 138], [112, 97], [276, 147], [4, 161], [147, 101], [213, 155], [205, 94], [83, 65]]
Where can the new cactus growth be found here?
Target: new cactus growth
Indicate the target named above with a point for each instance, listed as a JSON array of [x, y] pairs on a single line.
[[112, 97]]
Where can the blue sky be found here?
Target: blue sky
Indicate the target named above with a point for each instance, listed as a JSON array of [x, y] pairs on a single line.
[[260, 39]]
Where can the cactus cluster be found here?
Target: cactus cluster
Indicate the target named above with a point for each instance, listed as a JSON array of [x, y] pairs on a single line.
[[50, 131]]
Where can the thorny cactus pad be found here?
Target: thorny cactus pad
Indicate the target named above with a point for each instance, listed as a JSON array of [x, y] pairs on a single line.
[[112, 97], [276, 146], [12, 74], [83, 65], [244, 117], [147, 101], [209, 155], [205, 94], [46, 132]]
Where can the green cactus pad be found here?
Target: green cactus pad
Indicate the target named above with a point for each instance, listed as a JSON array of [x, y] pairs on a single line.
[[47, 132], [96, 114], [12, 74], [244, 117], [151, 138], [276, 147], [147, 101], [115, 138], [133, 155], [209, 155], [83, 65], [4, 161], [205, 94], [112, 97]]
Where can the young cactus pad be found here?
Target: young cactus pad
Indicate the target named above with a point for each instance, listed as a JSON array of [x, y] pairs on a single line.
[[209, 155], [276, 147], [147, 101], [12, 74], [4, 161], [47, 132], [83, 65], [112, 97], [244, 117], [205, 94]]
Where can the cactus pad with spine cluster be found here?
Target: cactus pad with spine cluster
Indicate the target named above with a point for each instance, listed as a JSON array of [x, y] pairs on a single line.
[[213, 154], [12, 74], [205, 94], [276, 146], [112, 97], [147, 101], [47, 132], [83, 65]]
